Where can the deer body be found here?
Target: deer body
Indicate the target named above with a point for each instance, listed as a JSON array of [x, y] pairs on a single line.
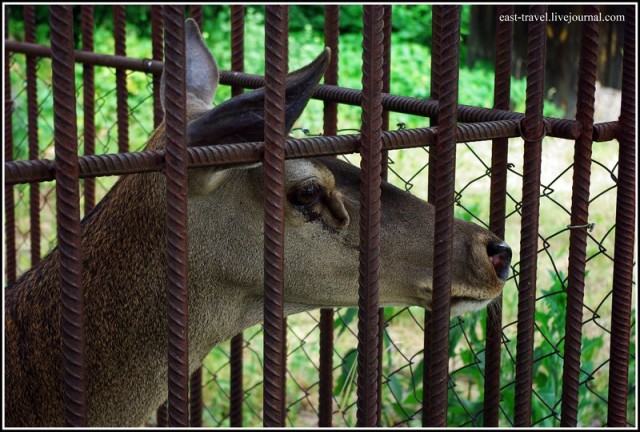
[[124, 247]]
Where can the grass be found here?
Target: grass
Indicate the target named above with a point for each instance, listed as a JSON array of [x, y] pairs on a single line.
[[402, 388]]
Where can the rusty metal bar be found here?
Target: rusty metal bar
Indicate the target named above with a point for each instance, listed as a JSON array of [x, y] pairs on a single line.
[[561, 128], [9, 203], [195, 399], [88, 89], [386, 79], [32, 119], [443, 229], [331, 39], [330, 121], [625, 230], [122, 95], [587, 68], [157, 47], [499, 159], [237, 65], [325, 399], [176, 181], [195, 12], [370, 184], [276, 45], [68, 215], [162, 415], [603, 132], [134, 64], [225, 154], [436, 34], [532, 128], [237, 392], [384, 168]]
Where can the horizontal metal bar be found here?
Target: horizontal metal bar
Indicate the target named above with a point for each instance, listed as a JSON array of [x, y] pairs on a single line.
[[560, 128], [92, 58], [226, 154]]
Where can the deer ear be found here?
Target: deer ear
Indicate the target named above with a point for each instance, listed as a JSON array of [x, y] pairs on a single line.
[[201, 72], [241, 119]]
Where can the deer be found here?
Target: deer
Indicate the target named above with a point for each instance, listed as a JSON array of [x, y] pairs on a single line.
[[123, 242]]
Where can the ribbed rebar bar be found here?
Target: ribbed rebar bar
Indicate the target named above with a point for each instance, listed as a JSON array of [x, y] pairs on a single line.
[[68, 215], [195, 12], [384, 168], [370, 192], [436, 34], [497, 211], [330, 127], [162, 415], [32, 126], [176, 182], [88, 91], [195, 399], [443, 228], [227, 154], [122, 95], [561, 128], [9, 202], [331, 38], [625, 233], [274, 130], [237, 65], [157, 51], [603, 132], [587, 68], [532, 132]]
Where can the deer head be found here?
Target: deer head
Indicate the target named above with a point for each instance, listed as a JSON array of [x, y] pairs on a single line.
[[123, 243]]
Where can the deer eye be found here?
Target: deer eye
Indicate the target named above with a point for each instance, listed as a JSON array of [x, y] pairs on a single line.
[[305, 195]]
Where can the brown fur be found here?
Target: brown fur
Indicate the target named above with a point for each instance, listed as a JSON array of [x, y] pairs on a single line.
[[123, 273]]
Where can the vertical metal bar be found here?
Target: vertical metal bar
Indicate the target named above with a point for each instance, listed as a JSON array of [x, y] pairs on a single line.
[[384, 167], [195, 11], [237, 392], [625, 230], [331, 39], [325, 408], [330, 118], [237, 64], [436, 35], [370, 183], [532, 130], [9, 203], [195, 400], [68, 214], [157, 32], [176, 181], [443, 229], [119, 19], [162, 415], [88, 79], [274, 129], [499, 159], [386, 79], [587, 68], [32, 114]]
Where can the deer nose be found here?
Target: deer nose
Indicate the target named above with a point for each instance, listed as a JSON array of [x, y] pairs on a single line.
[[500, 256]]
